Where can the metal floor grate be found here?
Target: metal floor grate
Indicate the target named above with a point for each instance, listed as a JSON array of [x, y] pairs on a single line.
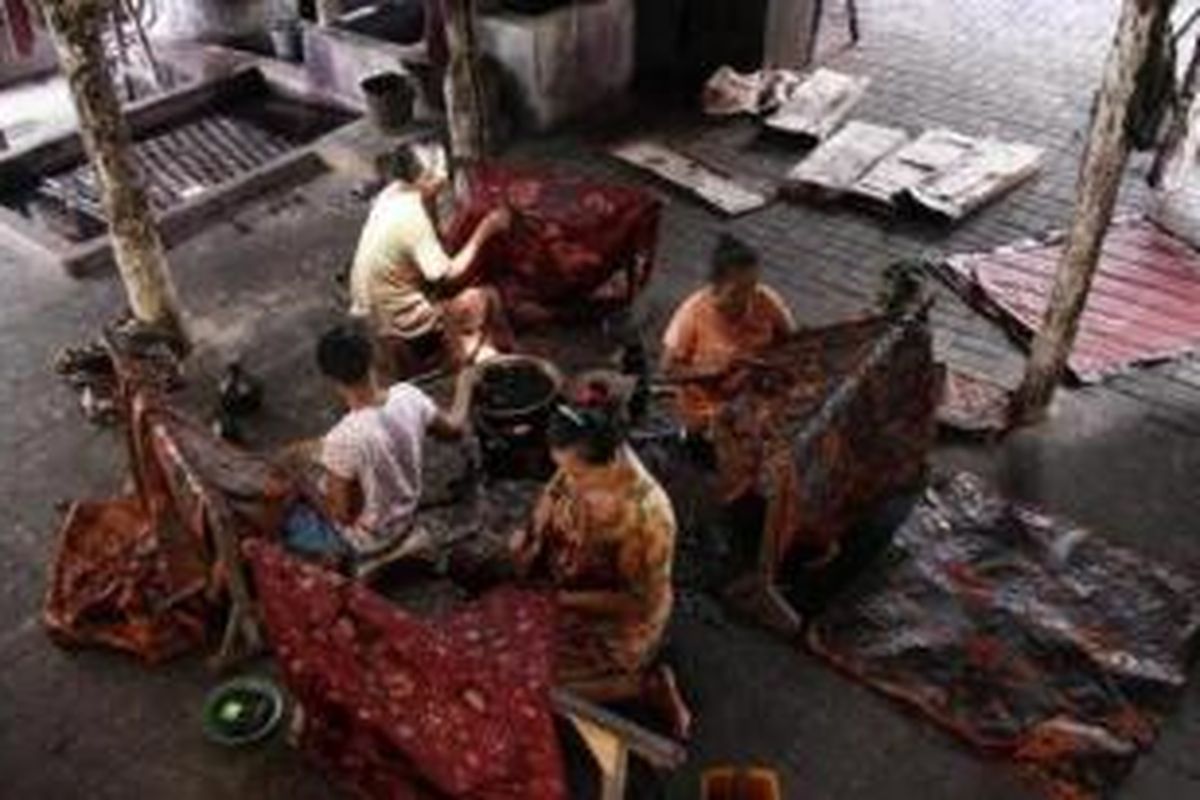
[[177, 164]]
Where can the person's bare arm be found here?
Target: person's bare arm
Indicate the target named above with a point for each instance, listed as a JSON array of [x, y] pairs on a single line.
[[438, 267], [343, 498], [497, 221], [600, 603], [451, 424]]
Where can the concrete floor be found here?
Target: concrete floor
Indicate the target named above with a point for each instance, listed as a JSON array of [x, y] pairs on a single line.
[[1120, 458]]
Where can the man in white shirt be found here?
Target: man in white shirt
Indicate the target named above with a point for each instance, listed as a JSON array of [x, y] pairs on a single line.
[[373, 456], [400, 262]]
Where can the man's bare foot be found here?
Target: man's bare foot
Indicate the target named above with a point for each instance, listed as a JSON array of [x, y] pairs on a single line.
[[663, 695]]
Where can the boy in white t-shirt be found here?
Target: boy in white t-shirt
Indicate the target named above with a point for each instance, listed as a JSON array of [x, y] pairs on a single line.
[[373, 456]]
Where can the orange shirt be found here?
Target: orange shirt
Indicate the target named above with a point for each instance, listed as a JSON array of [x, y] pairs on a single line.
[[700, 339]]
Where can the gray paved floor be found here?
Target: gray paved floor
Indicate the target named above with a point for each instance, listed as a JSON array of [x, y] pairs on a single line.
[[1121, 458]]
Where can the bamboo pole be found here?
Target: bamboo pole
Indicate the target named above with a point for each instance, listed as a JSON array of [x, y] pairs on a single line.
[[75, 27], [1100, 173]]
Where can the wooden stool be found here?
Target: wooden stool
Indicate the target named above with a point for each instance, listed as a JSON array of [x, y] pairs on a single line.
[[611, 738]]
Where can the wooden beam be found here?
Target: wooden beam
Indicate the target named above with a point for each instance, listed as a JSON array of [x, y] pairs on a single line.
[[1139, 30], [657, 750]]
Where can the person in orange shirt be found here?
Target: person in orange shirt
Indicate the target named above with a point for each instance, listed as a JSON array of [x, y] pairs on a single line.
[[721, 327]]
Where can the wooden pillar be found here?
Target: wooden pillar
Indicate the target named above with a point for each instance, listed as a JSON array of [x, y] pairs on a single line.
[[464, 92], [75, 26], [1100, 173]]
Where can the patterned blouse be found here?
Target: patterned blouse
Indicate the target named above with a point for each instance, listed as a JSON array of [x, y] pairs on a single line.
[[619, 537]]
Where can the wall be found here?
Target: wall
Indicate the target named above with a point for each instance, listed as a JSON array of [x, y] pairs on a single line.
[[217, 20]]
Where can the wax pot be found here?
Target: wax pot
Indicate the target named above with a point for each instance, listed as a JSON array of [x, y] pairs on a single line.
[[512, 405]]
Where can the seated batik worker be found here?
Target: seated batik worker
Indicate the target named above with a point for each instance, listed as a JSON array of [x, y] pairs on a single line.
[[603, 536], [405, 283], [372, 458], [721, 327]]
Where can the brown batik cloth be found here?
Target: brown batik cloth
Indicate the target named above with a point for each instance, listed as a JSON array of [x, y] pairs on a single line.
[[1028, 637], [139, 573], [828, 424]]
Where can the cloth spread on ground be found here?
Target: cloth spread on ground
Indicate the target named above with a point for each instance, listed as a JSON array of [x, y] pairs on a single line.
[[1022, 633], [829, 423], [402, 708], [1144, 304], [138, 573], [576, 248]]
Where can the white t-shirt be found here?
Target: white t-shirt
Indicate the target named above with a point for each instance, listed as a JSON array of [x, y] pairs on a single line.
[[380, 448], [399, 254]]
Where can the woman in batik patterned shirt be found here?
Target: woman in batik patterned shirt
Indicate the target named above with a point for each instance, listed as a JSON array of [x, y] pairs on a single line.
[[603, 536]]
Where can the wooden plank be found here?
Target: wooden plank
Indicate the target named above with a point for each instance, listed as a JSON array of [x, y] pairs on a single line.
[[658, 750], [719, 190]]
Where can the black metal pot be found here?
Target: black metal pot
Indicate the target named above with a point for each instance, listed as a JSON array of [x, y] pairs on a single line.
[[512, 438]]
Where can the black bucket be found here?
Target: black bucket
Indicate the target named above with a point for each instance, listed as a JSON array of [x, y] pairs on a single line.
[[390, 100], [511, 429]]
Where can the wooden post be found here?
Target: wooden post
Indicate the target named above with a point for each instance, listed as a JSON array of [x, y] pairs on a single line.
[[75, 26], [464, 92], [1100, 173]]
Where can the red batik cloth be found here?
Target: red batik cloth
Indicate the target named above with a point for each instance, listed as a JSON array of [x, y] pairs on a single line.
[[404, 708], [139, 573], [576, 248]]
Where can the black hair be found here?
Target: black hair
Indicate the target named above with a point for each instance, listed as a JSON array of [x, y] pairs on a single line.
[[731, 257], [344, 354], [594, 433], [401, 164]]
